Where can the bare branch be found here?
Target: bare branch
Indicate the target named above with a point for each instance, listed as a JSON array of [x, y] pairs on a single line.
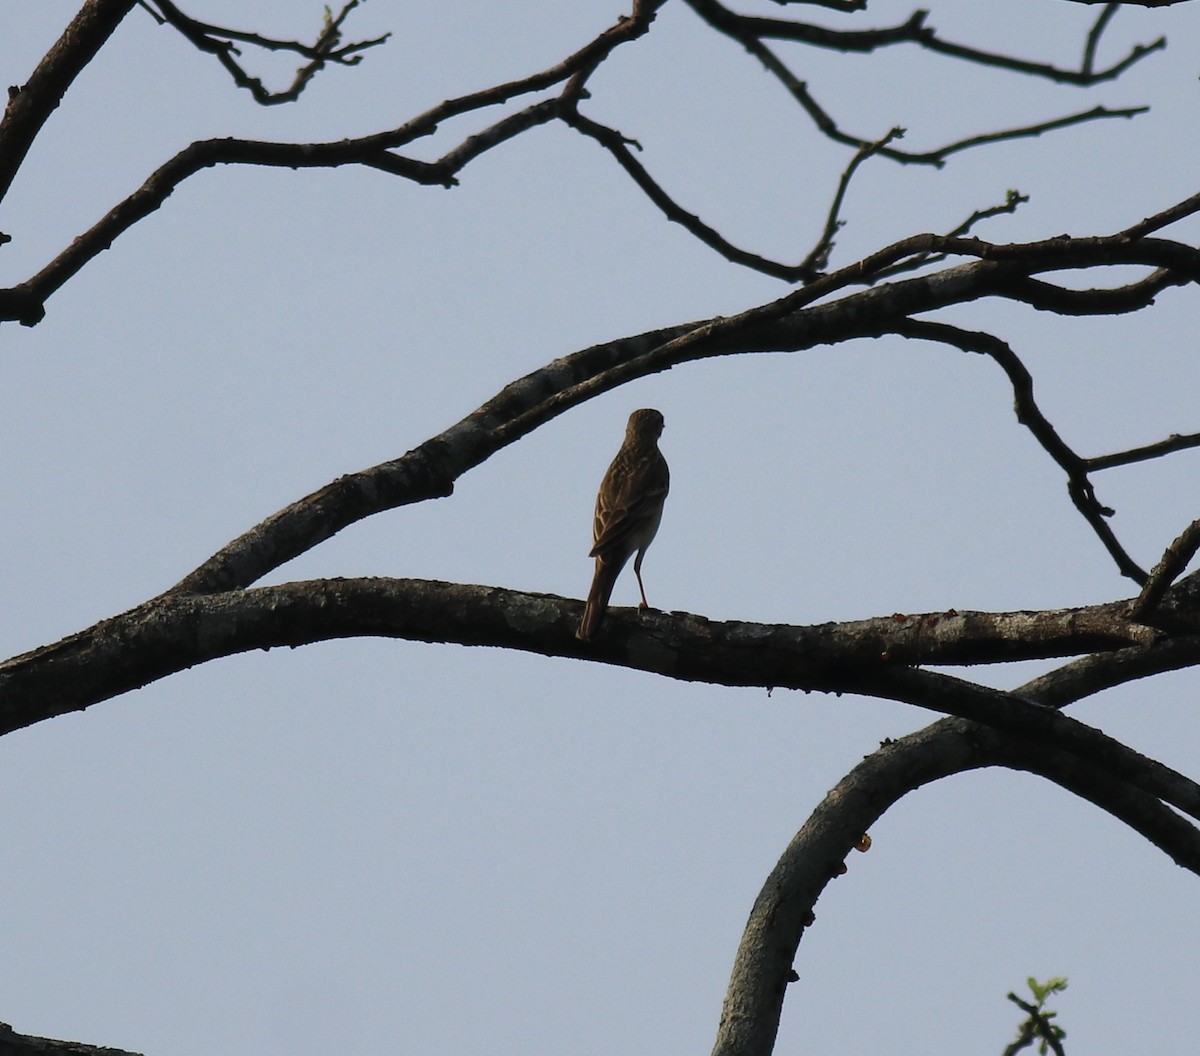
[[26, 301], [1188, 207], [1085, 75], [1079, 486], [1113, 300], [1097, 113], [1133, 3], [1093, 674], [1174, 442], [818, 259], [618, 146], [807, 270], [746, 27], [218, 41], [1012, 201], [799, 91], [741, 27], [31, 104], [763, 966], [1174, 560], [177, 630], [1093, 37], [14, 1044], [848, 6]]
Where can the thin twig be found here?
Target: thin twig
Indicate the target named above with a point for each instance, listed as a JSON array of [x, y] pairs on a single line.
[[1012, 201], [820, 117], [1083, 76], [818, 259], [1097, 113], [1170, 215], [1174, 442], [218, 41], [618, 146], [1093, 38]]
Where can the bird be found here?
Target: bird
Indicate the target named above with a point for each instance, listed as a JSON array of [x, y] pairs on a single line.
[[629, 508]]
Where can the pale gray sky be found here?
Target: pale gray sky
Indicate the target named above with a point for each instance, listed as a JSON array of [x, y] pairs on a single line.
[[384, 846]]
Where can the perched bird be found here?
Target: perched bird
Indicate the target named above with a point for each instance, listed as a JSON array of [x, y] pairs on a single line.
[[628, 510]]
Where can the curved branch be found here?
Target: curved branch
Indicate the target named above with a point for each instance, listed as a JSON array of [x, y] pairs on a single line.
[[176, 631], [1048, 297], [1079, 486], [1018, 718], [1092, 674], [1097, 31], [618, 146], [427, 471], [763, 965], [1085, 75], [783, 909], [806, 271]]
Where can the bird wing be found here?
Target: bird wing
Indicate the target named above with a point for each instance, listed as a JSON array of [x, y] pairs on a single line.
[[630, 505]]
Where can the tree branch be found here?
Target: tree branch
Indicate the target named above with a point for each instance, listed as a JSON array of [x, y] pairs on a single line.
[[783, 910], [1173, 562], [218, 41], [14, 1044], [743, 28], [176, 631], [26, 301], [1174, 442], [32, 103], [1079, 485]]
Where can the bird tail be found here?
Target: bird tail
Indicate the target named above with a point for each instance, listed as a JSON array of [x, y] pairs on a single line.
[[597, 601]]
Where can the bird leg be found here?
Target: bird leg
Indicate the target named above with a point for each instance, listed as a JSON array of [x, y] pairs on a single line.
[[637, 571]]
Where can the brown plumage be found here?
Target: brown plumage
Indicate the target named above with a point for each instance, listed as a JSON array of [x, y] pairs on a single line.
[[628, 511]]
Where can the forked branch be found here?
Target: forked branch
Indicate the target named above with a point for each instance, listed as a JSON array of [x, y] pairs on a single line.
[[326, 49]]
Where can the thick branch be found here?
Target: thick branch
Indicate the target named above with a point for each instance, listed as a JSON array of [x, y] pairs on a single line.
[[1092, 674], [32, 103], [1020, 718], [177, 631], [14, 1044], [783, 910]]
